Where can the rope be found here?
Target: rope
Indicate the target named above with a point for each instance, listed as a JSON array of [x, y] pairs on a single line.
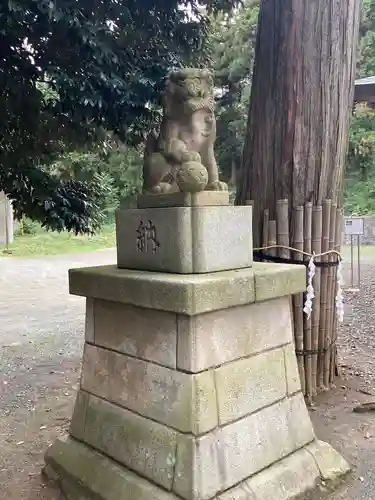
[[311, 352], [307, 254], [282, 260], [311, 265]]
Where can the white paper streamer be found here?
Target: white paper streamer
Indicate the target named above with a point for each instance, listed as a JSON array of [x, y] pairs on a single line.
[[310, 289], [339, 295], [310, 295]]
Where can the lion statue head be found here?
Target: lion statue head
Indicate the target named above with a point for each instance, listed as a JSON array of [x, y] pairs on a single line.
[[187, 91]]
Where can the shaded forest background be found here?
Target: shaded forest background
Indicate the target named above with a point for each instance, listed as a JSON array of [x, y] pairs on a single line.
[[109, 159], [233, 40], [230, 51]]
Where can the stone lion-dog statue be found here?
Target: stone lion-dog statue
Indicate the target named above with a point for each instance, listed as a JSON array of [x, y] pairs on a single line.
[[181, 157]]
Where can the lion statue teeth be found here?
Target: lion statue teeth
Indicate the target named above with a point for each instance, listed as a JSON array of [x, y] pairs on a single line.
[[181, 157]]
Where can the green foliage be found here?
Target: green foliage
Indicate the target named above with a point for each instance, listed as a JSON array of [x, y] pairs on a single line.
[[93, 54], [361, 157], [118, 172], [366, 62], [360, 179], [70, 205], [359, 197], [69, 69], [27, 226], [232, 41]]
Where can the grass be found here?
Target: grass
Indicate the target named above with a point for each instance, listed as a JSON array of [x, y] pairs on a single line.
[[50, 243], [366, 252]]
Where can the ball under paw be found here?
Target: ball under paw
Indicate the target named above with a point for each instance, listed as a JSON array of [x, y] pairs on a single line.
[[192, 177]]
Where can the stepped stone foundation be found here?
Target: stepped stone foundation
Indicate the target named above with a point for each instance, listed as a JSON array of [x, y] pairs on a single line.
[[190, 387]]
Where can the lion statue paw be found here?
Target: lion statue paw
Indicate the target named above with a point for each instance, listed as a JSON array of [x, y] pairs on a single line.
[[217, 186], [189, 156], [161, 188]]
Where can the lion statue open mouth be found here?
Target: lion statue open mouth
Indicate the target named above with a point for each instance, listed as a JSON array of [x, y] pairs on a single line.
[[181, 157]]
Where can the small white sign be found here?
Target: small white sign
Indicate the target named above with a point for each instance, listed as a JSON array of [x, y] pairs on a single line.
[[354, 225]]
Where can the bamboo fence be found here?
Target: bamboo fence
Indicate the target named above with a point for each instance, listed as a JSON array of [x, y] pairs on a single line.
[[311, 229]]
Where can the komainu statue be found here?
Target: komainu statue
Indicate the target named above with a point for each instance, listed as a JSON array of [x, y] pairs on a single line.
[[181, 157]]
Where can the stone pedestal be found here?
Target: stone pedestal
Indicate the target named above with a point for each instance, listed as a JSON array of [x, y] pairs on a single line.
[[186, 239], [190, 389]]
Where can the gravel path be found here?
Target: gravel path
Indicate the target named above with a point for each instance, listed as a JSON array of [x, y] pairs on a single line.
[[333, 417], [40, 349], [357, 346]]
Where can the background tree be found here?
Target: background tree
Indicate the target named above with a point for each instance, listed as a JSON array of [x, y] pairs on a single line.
[[106, 62], [232, 41], [302, 92], [295, 153], [119, 169], [366, 59], [360, 178], [233, 45]]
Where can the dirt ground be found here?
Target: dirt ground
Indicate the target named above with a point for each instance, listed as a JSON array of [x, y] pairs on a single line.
[[353, 434], [41, 338], [40, 348]]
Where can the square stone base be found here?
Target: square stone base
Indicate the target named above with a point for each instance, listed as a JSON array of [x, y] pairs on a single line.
[[85, 474], [190, 390], [185, 240]]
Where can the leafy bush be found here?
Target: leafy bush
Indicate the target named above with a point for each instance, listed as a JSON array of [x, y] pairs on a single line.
[[27, 226], [360, 178], [118, 173], [361, 158], [360, 198]]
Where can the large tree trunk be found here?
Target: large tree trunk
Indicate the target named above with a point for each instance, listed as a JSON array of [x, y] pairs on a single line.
[[302, 93], [295, 154]]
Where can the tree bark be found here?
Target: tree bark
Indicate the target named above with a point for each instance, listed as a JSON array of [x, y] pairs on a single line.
[[301, 100]]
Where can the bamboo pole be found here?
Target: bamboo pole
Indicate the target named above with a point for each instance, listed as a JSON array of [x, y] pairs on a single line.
[[266, 218], [282, 227], [272, 236], [338, 236], [307, 228], [316, 245], [323, 326], [330, 299], [297, 238]]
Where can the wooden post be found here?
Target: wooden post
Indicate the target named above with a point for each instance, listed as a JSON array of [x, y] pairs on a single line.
[[282, 227], [297, 243], [307, 341], [330, 299], [316, 245], [272, 236], [266, 218], [323, 326], [338, 236]]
